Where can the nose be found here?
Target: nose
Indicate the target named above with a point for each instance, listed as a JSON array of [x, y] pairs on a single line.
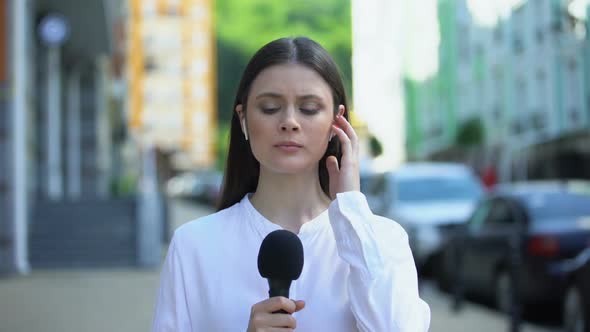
[[289, 121]]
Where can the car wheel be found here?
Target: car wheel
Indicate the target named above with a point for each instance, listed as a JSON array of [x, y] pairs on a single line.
[[573, 317], [503, 295]]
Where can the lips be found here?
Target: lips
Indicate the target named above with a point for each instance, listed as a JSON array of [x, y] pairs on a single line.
[[288, 144]]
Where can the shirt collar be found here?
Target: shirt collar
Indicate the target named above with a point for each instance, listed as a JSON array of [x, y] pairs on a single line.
[[264, 226]]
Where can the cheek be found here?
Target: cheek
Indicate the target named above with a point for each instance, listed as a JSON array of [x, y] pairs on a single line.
[[258, 127], [321, 128], [321, 135]]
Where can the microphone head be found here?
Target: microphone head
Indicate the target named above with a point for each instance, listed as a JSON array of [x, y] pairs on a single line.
[[280, 256]]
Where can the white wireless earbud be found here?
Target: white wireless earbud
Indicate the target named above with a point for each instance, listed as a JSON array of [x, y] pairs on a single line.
[[244, 129], [331, 136]]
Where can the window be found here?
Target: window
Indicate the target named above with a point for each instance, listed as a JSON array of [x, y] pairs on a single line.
[[373, 184], [538, 119], [481, 213], [498, 33], [517, 31], [517, 45], [557, 207], [437, 188], [463, 42], [500, 214], [573, 86]]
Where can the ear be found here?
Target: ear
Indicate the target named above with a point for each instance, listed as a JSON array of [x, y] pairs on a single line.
[[240, 111], [341, 110], [242, 117]]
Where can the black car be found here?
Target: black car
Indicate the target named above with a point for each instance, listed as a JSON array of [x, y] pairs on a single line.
[[576, 306], [528, 227]]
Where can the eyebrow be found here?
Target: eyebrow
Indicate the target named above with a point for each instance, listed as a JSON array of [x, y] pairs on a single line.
[[276, 95]]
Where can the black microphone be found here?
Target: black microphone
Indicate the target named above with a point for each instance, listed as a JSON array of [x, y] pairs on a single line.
[[280, 260]]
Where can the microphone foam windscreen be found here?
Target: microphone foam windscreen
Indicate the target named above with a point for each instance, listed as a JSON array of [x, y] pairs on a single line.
[[280, 256]]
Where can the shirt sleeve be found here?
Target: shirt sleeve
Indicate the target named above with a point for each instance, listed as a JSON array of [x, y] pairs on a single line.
[[171, 311], [383, 283]]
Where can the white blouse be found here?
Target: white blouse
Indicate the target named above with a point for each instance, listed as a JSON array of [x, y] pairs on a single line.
[[358, 272]]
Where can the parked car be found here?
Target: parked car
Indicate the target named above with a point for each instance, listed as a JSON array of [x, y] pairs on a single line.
[[425, 198], [576, 306], [531, 226], [202, 186]]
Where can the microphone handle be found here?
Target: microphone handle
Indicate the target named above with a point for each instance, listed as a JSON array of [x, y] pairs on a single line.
[[278, 287]]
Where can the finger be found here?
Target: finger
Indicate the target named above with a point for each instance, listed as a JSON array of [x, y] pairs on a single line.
[[345, 142], [349, 131], [347, 127], [332, 166], [277, 303], [279, 321], [299, 304]]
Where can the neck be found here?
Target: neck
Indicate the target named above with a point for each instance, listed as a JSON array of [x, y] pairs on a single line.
[[289, 200]]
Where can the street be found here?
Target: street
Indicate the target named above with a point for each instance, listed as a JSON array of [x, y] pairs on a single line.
[[122, 300]]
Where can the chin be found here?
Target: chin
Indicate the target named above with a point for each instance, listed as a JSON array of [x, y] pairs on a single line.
[[291, 166]]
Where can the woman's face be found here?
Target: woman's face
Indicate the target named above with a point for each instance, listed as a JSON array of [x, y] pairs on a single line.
[[289, 116]]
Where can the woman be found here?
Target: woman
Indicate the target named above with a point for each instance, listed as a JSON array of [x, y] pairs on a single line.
[[292, 164]]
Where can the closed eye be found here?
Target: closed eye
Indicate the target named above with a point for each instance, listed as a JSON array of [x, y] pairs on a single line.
[[269, 110], [309, 111]]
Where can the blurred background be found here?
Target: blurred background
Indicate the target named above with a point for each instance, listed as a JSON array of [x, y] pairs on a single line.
[[473, 115]]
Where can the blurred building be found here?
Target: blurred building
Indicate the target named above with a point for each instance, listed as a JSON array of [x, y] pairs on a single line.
[[63, 138], [525, 81], [172, 79]]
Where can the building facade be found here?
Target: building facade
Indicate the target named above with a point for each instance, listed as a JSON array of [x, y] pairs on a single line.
[[525, 79], [62, 130], [172, 79]]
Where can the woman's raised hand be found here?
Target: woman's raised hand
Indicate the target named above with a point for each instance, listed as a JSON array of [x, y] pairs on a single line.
[[346, 176]]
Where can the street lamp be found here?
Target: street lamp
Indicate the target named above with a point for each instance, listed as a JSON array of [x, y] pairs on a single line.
[[54, 31]]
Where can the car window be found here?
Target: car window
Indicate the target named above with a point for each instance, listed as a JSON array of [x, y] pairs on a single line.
[[377, 185], [437, 188], [501, 214], [549, 207], [479, 215], [374, 189]]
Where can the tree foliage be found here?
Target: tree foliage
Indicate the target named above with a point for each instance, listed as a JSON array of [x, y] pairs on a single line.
[[470, 133], [375, 146]]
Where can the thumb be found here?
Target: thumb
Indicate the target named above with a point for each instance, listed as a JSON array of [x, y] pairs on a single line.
[[299, 304], [332, 166]]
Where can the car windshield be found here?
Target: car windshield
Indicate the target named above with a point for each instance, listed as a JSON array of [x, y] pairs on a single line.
[[438, 189], [557, 206]]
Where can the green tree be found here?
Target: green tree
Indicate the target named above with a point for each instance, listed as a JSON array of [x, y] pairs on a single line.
[[470, 133], [375, 146]]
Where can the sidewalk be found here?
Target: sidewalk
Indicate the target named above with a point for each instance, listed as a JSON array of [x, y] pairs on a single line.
[[90, 300]]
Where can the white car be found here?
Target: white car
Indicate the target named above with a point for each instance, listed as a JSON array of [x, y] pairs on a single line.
[[424, 198]]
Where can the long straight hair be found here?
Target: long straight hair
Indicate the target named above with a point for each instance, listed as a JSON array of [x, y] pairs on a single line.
[[241, 168]]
